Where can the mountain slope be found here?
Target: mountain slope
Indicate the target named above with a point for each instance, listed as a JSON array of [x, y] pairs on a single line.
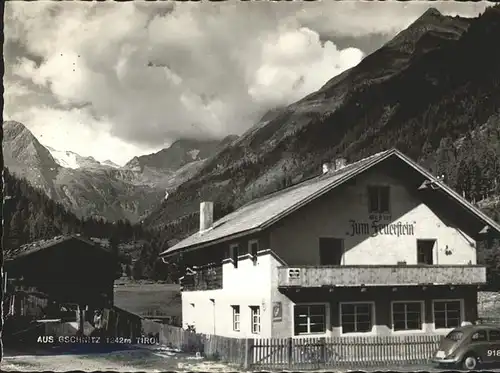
[[26, 157], [89, 188], [180, 153], [30, 215], [438, 78]]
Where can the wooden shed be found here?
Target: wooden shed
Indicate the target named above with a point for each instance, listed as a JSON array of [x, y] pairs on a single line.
[[63, 270]]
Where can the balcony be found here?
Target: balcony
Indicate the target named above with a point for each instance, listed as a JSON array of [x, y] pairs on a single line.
[[208, 278], [381, 275]]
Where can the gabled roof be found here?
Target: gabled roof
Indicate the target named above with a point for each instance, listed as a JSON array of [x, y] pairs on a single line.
[[33, 247], [263, 212]]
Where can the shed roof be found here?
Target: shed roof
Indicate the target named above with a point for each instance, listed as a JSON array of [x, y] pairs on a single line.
[[263, 212], [36, 246]]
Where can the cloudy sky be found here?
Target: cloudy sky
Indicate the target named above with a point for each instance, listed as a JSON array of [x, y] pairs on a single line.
[[115, 80]]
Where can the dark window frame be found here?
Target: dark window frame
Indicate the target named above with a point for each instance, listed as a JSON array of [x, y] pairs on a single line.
[[234, 251], [434, 241], [254, 252], [448, 320], [396, 321], [308, 310], [356, 314], [340, 253], [378, 190]]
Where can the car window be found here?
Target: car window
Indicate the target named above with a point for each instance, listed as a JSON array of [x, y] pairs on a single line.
[[455, 335], [494, 335], [480, 335]]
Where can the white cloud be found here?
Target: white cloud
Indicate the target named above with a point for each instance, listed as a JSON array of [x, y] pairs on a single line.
[[219, 66], [86, 136]]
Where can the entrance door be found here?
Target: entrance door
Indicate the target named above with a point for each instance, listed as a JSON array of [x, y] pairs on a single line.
[[330, 251], [425, 251]]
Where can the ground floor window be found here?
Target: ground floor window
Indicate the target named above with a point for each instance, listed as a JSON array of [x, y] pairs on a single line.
[[255, 311], [407, 316], [356, 317], [309, 319], [447, 314], [236, 318]]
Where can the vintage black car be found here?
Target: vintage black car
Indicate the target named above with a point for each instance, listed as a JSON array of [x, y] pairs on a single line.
[[470, 346]]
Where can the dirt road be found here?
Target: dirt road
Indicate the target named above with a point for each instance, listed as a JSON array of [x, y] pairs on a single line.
[[132, 359]]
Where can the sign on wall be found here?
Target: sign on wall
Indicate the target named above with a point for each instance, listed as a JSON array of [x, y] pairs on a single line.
[[376, 227], [277, 311]]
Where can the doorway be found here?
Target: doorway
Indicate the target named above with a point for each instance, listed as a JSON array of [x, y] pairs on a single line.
[[331, 251], [425, 251]]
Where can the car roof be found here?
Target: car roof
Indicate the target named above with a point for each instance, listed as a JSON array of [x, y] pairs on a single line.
[[473, 328]]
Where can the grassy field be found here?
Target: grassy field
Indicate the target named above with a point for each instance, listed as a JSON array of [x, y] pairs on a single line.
[[148, 299]]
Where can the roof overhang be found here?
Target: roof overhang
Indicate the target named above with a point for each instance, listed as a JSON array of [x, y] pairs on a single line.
[[170, 253], [42, 246], [432, 183], [429, 182], [348, 176]]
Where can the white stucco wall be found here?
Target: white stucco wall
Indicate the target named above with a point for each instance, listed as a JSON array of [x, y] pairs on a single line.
[[296, 238], [248, 285]]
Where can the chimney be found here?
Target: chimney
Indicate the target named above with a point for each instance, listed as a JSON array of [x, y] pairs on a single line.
[[340, 163], [206, 215], [326, 168]]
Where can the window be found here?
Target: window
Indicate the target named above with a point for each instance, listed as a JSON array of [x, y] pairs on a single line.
[[425, 249], [331, 250], [447, 314], [235, 253], [236, 318], [480, 335], [253, 248], [356, 317], [309, 319], [494, 335], [378, 199], [455, 335], [192, 315], [407, 316], [255, 312]]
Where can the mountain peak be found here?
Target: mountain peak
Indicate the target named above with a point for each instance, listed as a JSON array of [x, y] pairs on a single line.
[[178, 154], [433, 27], [13, 129], [110, 163], [431, 12]]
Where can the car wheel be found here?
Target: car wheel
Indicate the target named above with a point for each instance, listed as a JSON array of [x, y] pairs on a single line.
[[470, 362]]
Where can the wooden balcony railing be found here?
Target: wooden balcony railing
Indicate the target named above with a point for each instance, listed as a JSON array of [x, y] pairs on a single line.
[[380, 275], [207, 278]]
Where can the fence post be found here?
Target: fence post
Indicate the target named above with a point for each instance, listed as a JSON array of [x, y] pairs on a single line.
[[290, 352], [248, 353], [322, 347]]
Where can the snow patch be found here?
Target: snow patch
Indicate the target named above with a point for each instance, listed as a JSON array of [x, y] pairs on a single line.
[[65, 158], [69, 159], [194, 153]]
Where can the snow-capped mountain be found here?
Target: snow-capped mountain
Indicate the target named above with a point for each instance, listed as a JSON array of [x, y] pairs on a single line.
[[109, 163], [73, 160], [92, 188]]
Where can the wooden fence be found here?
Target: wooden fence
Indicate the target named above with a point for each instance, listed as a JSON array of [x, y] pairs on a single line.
[[322, 353], [229, 350], [299, 353]]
